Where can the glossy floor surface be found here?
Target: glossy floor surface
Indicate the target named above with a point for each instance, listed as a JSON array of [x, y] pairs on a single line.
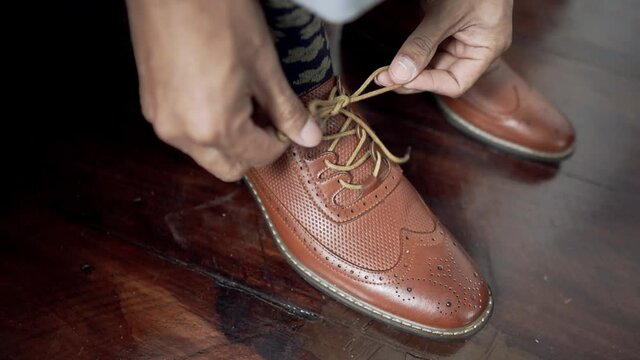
[[115, 246]]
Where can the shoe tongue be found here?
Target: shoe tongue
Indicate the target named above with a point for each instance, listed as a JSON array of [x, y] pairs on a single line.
[[321, 91], [345, 146]]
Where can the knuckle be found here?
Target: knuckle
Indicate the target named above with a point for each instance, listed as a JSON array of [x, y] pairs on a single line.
[[507, 42], [231, 174], [165, 130], [462, 89], [456, 93], [421, 45], [148, 111], [221, 167], [206, 130], [502, 42], [227, 177], [204, 135]]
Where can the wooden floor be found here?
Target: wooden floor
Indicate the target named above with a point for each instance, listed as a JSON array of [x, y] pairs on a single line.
[[115, 246]]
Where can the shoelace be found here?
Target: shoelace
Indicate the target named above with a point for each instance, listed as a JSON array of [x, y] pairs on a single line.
[[354, 125]]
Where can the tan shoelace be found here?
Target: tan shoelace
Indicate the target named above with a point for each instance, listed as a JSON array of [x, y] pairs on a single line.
[[354, 125]]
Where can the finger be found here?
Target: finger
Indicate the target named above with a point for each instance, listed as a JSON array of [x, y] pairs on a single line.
[[384, 79], [215, 162], [254, 146], [405, 91], [442, 60], [275, 96], [460, 50], [452, 81], [416, 52]]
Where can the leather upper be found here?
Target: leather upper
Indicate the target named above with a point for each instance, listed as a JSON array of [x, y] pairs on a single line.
[[380, 244], [503, 104]]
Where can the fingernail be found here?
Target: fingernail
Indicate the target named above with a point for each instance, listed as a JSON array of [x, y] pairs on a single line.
[[402, 69], [382, 82], [310, 133]]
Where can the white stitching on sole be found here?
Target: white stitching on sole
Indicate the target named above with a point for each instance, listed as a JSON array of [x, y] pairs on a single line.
[[468, 128], [359, 305]]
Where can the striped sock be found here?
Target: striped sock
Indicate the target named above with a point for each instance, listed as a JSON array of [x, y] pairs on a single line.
[[301, 42]]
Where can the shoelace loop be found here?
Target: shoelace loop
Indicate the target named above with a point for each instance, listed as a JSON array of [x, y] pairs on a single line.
[[336, 104]]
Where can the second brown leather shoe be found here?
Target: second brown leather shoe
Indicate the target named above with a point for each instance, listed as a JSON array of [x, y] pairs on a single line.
[[502, 110], [350, 223]]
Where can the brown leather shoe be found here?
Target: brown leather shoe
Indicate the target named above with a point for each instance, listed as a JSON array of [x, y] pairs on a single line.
[[502, 110], [350, 223]]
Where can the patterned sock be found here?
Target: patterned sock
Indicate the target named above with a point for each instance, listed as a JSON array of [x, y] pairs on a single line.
[[302, 45]]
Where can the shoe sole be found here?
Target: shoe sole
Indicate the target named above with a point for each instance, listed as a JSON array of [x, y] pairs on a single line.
[[359, 306], [466, 127]]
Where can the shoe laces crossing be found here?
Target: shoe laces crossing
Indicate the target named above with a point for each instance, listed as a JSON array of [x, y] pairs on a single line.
[[354, 125]]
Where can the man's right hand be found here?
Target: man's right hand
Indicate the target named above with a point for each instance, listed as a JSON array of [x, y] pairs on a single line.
[[200, 65]]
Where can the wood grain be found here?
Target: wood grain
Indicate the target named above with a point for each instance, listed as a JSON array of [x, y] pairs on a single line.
[[113, 245]]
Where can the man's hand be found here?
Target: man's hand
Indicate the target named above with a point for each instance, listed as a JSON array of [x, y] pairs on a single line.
[[201, 64], [452, 47]]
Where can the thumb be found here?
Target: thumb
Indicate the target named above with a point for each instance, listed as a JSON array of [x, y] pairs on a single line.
[[285, 109], [417, 51], [290, 116]]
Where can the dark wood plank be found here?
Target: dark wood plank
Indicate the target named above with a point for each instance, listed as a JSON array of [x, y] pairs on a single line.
[[114, 245], [82, 294]]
